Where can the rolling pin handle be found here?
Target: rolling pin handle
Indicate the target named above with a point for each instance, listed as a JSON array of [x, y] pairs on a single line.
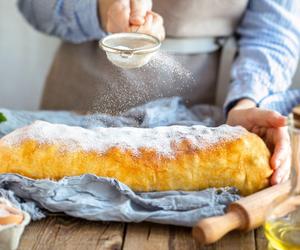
[[210, 230]]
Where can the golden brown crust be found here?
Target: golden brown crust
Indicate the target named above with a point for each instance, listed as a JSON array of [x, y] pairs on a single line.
[[242, 162]]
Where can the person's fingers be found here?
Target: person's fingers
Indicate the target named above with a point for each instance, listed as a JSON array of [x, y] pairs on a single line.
[[260, 131], [118, 17], [158, 22], [138, 11], [161, 33], [282, 148], [286, 176], [146, 27], [282, 173], [135, 28], [281, 158], [265, 118], [157, 19], [148, 22], [153, 26]]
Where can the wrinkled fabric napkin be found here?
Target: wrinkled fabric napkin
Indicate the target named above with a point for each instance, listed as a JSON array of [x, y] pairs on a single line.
[[106, 199]]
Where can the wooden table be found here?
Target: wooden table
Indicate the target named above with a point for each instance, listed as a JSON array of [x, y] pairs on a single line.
[[60, 232]]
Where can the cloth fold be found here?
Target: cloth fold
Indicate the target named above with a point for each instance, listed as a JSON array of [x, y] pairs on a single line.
[[106, 199]]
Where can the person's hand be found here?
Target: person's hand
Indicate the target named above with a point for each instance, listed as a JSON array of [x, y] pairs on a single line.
[[270, 126], [153, 25], [131, 16]]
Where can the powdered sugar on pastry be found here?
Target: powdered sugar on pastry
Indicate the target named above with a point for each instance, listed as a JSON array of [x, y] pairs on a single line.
[[160, 139]]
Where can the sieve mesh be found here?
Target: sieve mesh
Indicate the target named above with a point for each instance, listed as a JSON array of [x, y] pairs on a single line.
[[130, 50]]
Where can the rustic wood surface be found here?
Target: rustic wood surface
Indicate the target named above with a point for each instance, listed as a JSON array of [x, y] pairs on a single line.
[[61, 232]]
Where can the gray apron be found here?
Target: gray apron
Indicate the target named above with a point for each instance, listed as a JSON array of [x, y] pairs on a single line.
[[81, 77]]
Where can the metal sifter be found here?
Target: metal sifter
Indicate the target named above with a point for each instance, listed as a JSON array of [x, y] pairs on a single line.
[[130, 50]]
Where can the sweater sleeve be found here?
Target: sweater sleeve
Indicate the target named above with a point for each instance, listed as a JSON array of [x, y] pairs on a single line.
[[268, 51], [71, 20]]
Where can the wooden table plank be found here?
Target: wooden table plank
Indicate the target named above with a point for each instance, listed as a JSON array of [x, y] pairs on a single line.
[[235, 241], [146, 236], [150, 236], [261, 241], [181, 238], [32, 234], [69, 233]]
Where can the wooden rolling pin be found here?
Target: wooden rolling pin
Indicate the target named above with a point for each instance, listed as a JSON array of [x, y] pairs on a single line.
[[245, 214]]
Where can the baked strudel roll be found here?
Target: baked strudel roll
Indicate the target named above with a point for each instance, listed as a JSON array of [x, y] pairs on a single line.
[[146, 159]]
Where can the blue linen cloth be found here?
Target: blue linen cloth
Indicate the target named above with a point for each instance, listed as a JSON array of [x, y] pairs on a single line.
[[268, 46], [106, 199]]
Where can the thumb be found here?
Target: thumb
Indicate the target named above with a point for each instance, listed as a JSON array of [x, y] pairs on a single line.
[[267, 118], [138, 11]]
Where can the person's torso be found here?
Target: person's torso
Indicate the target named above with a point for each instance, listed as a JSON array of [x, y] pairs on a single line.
[[200, 18], [82, 78]]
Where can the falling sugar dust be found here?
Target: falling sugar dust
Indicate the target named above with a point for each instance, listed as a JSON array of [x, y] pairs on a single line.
[[123, 89]]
